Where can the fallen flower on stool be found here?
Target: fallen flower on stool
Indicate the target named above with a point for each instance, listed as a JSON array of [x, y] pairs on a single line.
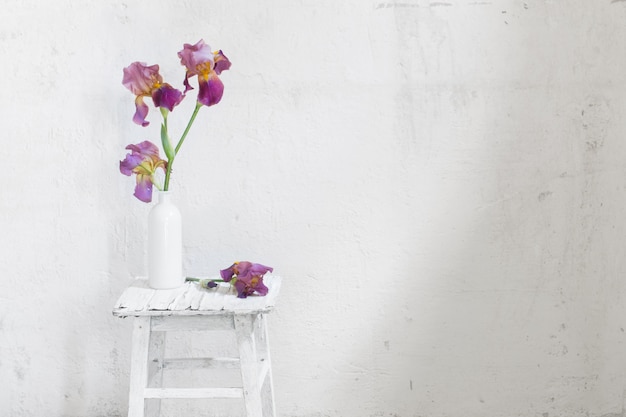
[[246, 277]]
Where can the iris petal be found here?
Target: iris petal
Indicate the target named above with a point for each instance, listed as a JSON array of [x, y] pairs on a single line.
[[211, 90], [227, 274], [141, 111], [143, 162], [143, 189], [196, 56], [260, 288], [249, 278], [207, 65], [140, 78], [129, 163], [145, 148], [258, 269], [241, 289], [221, 62], [167, 96], [146, 81]]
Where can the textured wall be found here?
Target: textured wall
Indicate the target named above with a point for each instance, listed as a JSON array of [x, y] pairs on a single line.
[[441, 185]]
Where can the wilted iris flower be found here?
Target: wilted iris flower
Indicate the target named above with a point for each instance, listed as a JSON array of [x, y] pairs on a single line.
[[143, 161], [207, 65], [145, 81], [248, 285], [247, 277]]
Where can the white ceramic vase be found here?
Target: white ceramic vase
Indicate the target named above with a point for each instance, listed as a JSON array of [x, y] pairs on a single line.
[[165, 261]]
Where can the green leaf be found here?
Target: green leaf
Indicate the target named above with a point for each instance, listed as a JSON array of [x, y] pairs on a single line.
[[167, 145]]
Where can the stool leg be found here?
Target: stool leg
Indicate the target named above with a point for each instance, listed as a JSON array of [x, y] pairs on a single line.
[[269, 407], [156, 353], [139, 366], [249, 364]]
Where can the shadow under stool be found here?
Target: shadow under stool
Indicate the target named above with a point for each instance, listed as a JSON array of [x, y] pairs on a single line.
[[191, 308]]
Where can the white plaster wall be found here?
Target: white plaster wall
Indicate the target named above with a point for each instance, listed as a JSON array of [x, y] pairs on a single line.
[[441, 185]]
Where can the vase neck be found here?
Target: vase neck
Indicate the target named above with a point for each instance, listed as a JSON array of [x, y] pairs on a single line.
[[164, 196]]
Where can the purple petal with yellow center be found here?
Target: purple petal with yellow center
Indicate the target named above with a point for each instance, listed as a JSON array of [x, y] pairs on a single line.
[[248, 285], [146, 81], [141, 79], [143, 161], [248, 278], [196, 58], [167, 96], [260, 288], [143, 189]]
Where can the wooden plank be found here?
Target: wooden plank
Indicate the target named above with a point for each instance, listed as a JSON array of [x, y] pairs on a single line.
[[139, 366], [156, 353], [201, 363], [264, 369], [163, 299], [182, 300], [214, 298], [133, 300], [193, 393], [269, 405], [249, 366], [192, 323], [189, 299]]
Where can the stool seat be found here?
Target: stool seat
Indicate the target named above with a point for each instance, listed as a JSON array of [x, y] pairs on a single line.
[[192, 308]]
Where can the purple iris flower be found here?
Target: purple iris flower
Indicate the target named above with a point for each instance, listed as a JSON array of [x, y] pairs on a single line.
[[207, 65], [247, 278], [143, 161], [145, 81]]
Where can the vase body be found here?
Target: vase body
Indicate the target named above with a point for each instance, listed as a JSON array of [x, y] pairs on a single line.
[[165, 261]]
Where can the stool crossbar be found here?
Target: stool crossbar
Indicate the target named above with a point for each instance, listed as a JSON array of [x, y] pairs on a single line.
[[191, 308]]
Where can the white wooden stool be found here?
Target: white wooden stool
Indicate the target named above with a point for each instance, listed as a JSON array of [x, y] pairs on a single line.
[[191, 308]]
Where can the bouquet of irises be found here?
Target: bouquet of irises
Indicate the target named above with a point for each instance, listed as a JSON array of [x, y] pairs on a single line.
[[145, 81], [144, 160]]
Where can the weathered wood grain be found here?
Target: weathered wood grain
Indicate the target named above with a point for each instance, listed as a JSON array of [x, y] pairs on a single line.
[[141, 300]]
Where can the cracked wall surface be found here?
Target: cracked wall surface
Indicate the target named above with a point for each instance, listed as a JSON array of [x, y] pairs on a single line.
[[441, 186]]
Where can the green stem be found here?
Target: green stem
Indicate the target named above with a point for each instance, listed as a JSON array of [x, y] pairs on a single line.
[[192, 279], [193, 117], [170, 162]]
